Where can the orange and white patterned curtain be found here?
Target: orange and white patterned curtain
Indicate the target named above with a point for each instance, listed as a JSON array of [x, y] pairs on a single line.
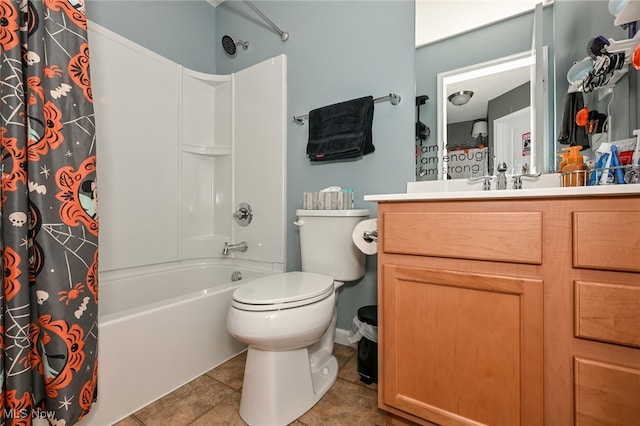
[[49, 214]]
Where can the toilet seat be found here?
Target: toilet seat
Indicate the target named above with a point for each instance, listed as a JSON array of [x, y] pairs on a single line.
[[282, 291]]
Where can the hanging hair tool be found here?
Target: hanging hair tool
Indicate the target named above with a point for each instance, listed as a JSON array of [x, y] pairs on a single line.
[[597, 46], [422, 131]]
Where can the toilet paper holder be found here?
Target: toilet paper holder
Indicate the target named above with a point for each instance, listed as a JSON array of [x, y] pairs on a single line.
[[370, 236]]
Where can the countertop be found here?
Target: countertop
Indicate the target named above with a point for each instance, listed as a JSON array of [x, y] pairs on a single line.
[[461, 189]]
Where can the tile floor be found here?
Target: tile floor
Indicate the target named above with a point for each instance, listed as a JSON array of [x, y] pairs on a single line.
[[214, 399]]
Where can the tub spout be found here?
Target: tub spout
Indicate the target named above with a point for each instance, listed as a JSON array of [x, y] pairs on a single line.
[[242, 246]]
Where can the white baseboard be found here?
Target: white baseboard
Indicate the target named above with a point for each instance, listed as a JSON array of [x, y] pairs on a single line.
[[341, 338]]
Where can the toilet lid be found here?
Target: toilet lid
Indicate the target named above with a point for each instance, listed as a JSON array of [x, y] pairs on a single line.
[[282, 291]]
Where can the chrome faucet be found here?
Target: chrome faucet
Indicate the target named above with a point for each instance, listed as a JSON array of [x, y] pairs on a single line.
[[486, 186], [242, 246], [502, 176], [517, 179]]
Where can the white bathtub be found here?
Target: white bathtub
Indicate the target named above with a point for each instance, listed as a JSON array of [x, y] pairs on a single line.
[[161, 327]]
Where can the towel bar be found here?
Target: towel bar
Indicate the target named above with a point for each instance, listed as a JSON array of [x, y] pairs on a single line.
[[394, 98]]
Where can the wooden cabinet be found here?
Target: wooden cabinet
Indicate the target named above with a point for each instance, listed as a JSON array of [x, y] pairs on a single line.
[[608, 312], [462, 345], [510, 312], [607, 316]]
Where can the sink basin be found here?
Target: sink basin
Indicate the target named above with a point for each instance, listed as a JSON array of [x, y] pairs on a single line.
[[551, 180], [546, 185]]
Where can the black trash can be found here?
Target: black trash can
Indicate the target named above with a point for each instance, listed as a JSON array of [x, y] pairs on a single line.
[[367, 349]]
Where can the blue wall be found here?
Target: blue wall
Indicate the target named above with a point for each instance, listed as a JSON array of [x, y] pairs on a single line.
[[182, 31], [338, 50]]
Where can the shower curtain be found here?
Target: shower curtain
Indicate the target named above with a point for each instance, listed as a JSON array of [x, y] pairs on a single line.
[[49, 214]]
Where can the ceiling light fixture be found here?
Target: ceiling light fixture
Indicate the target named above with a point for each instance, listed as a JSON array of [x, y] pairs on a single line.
[[460, 98]]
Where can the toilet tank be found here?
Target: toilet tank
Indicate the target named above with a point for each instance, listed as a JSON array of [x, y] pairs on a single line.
[[326, 245]]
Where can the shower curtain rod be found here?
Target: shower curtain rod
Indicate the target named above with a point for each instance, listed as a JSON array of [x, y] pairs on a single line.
[[284, 36], [394, 98]]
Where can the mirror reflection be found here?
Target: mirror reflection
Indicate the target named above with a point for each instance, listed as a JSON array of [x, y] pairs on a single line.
[[484, 118], [461, 60], [563, 34]]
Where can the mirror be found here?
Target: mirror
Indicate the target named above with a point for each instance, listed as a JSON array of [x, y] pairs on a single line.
[[565, 30], [481, 57], [485, 116]]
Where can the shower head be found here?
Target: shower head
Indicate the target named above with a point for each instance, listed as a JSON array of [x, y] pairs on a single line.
[[229, 44]]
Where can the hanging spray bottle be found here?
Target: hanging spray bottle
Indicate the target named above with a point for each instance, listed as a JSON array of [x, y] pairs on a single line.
[[633, 175], [635, 159]]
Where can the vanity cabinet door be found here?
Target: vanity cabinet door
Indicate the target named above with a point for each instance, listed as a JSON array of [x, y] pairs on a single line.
[[606, 394], [461, 348]]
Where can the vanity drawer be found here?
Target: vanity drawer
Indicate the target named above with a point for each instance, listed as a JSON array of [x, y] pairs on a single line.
[[606, 394], [606, 240], [498, 236], [608, 312]]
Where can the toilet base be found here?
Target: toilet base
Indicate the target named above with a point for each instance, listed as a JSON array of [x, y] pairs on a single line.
[[272, 400]]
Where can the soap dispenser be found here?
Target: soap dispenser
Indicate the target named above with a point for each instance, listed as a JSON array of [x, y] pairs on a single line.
[[565, 156], [575, 172]]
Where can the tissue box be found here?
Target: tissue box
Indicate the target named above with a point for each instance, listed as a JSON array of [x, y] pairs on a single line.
[[328, 200]]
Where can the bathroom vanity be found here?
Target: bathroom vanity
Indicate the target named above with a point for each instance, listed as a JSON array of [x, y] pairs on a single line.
[[510, 307]]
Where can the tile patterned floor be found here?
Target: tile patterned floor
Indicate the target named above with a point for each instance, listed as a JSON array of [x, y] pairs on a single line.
[[214, 399]]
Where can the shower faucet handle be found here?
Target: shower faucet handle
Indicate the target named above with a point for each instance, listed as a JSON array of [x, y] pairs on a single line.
[[243, 214]]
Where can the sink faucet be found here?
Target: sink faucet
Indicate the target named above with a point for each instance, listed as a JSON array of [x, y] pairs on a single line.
[[486, 186], [242, 246], [502, 176], [517, 179]]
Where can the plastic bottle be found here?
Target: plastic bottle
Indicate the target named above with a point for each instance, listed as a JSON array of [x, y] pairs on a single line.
[[589, 157], [575, 172], [635, 159], [565, 156]]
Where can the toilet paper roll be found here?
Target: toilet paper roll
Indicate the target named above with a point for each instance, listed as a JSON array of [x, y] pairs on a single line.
[[358, 236]]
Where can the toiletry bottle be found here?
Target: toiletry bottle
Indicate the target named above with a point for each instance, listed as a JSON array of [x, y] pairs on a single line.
[[589, 157], [565, 156], [635, 159], [575, 172]]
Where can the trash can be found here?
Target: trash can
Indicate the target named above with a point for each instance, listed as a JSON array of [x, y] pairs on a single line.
[[368, 344]]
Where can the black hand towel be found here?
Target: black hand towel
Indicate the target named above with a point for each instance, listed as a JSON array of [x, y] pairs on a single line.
[[570, 132], [341, 130]]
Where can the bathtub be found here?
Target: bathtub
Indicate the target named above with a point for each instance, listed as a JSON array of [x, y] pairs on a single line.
[[160, 327]]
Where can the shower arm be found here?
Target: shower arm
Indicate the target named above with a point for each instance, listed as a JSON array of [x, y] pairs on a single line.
[[284, 36]]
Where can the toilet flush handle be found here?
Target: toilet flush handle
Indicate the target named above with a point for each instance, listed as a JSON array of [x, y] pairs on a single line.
[[299, 223]]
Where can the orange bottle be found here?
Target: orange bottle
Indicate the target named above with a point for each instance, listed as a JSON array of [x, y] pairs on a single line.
[[565, 156], [575, 172]]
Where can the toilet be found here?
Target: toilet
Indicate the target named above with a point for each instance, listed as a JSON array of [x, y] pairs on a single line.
[[288, 320]]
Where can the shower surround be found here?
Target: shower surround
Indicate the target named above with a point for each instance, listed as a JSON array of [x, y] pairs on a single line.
[[178, 151]]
